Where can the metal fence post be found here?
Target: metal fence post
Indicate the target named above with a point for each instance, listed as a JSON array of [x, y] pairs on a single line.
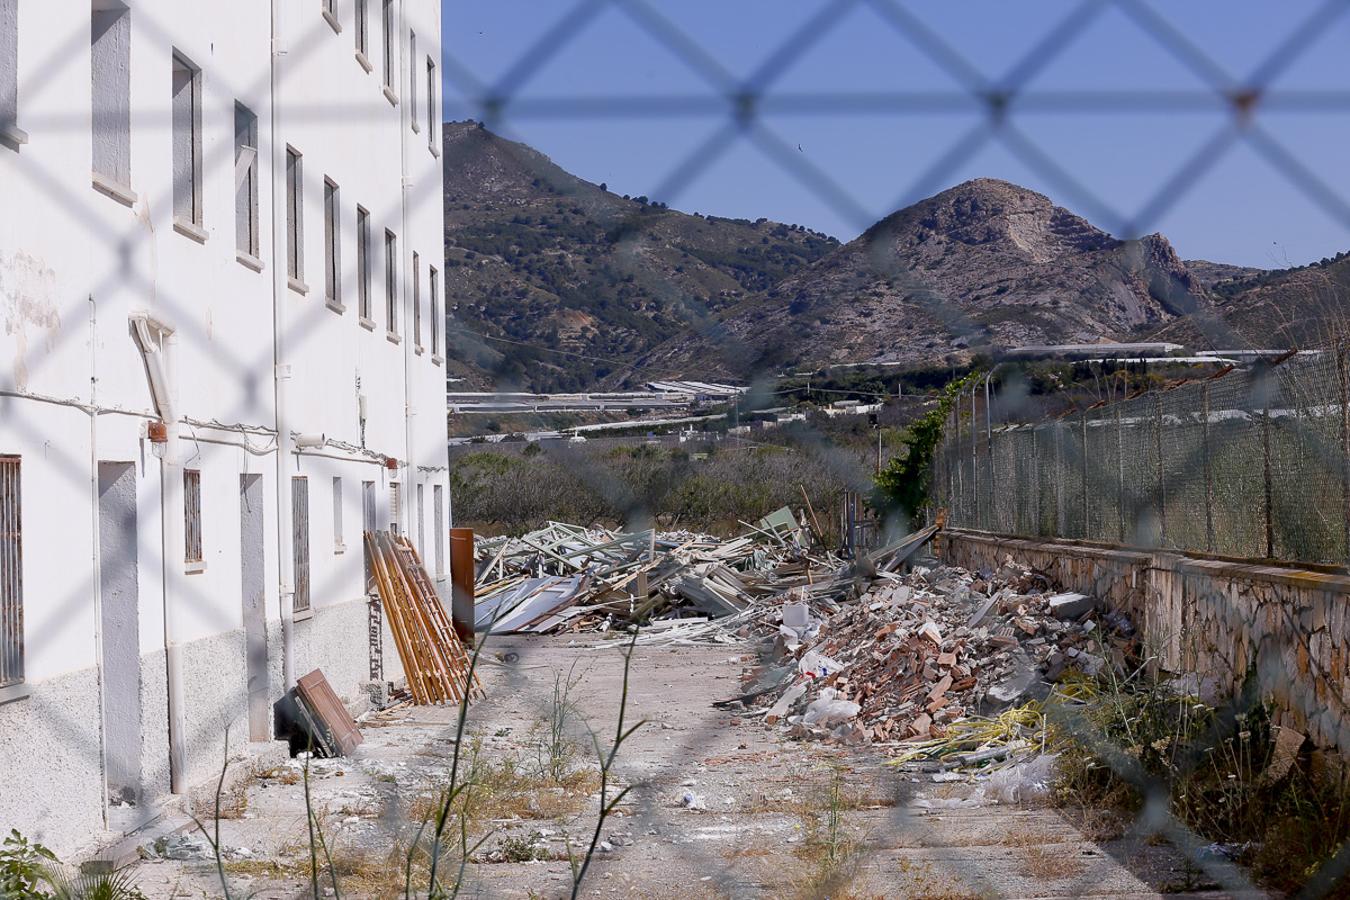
[[1059, 478], [1209, 467], [1270, 496], [989, 459], [1120, 474], [1036, 478], [1082, 452], [1161, 488], [1343, 373], [974, 464]]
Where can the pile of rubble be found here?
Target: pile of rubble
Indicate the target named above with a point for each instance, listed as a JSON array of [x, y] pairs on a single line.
[[567, 578], [920, 656]]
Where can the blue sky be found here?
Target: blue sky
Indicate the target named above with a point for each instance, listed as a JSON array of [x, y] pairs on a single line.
[[1103, 126]]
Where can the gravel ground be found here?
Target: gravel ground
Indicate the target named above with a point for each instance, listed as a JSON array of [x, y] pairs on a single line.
[[772, 817]]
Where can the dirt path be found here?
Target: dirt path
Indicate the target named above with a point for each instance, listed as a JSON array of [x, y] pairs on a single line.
[[771, 817]]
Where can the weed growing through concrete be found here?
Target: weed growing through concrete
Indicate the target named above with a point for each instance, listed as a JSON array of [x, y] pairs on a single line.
[[830, 848], [555, 750]]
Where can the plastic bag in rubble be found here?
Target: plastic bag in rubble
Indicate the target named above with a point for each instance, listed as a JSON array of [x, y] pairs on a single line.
[[1030, 780], [828, 709], [817, 665]]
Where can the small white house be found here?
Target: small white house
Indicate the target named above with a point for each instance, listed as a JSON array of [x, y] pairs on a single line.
[[220, 360]]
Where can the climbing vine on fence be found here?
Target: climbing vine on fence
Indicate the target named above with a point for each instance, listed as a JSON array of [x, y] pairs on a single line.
[[905, 482]]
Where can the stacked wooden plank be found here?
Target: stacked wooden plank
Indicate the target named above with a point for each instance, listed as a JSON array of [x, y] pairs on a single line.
[[434, 659]]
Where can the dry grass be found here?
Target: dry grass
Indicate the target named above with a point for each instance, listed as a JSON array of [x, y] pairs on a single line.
[[1040, 863], [917, 879]]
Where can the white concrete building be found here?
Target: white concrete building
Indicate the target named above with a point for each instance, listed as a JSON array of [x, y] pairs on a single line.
[[220, 357]]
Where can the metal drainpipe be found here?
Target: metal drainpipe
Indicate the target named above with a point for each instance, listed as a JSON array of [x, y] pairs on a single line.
[[409, 406], [159, 363], [171, 473], [94, 544], [281, 369]]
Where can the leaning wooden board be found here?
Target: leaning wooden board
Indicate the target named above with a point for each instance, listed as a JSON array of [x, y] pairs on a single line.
[[317, 694]]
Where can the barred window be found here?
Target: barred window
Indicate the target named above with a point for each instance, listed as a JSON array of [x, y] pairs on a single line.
[[300, 541], [11, 574], [192, 515]]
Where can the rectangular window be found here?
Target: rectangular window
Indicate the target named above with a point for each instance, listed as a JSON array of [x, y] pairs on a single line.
[[438, 526], [339, 542], [435, 289], [395, 507], [246, 238], [295, 222], [11, 574], [363, 263], [432, 104], [412, 80], [362, 33], [391, 280], [300, 540], [9, 74], [110, 55], [390, 37], [192, 515], [332, 244], [417, 302], [187, 142], [421, 524]]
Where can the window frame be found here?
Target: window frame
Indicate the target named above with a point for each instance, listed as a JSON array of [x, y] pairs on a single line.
[[391, 285], [433, 104], [194, 555], [246, 188], [339, 535], [11, 134], [417, 302], [363, 266], [434, 288], [412, 81], [13, 652], [438, 527], [361, 14], [295, 220], [332, 245], [301, 601], [389, 72], [110, 102], [190, 120]]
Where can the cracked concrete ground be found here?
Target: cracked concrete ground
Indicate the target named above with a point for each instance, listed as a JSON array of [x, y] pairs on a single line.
[[778, 818]]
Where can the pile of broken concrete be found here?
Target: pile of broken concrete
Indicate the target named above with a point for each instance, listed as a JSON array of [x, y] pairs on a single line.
[[920, 651]]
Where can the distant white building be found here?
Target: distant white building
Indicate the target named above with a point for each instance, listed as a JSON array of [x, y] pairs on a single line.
[[220, 286]]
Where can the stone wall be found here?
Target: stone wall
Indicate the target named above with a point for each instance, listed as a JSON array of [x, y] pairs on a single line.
[[1218, 620]]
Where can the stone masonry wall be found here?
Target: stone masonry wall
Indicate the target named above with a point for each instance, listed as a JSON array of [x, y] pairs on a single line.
[[1219, 621]]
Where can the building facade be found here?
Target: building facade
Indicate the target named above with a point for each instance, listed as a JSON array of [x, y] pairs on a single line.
[[220, 361]]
